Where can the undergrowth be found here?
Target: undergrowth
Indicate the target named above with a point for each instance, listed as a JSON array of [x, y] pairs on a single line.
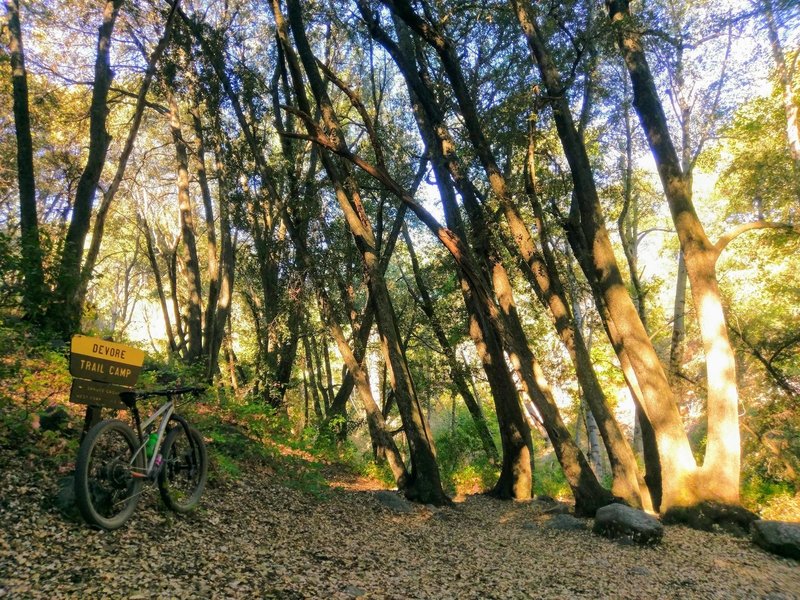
[[245, 434]]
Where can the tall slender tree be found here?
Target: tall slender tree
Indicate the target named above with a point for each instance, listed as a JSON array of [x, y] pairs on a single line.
[[32, 270]]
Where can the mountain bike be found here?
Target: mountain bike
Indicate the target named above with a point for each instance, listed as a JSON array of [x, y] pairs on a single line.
[[115, 462]]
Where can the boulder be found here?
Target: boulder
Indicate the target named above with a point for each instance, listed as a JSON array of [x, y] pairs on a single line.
[[65, 499], [54, 418], [712, 516], [778, 537], [394, 502], [620, 521], [562, 522]]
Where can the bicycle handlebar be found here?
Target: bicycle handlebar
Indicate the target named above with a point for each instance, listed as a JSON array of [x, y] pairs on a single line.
[[168, 392]]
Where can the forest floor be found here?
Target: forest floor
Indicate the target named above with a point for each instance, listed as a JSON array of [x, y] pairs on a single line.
[[254, 538]]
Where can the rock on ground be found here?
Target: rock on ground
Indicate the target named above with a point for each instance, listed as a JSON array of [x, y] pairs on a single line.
[[712, 516], [777, 537], [562, 522], [620, 521], [394, 502]]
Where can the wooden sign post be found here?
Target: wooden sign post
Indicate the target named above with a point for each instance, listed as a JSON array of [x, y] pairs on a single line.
[[101, 370]]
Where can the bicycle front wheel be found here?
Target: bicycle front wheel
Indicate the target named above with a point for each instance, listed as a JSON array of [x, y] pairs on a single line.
[[183, 475], [106, 490]]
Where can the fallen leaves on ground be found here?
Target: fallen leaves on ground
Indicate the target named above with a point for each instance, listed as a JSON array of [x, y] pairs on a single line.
[[252, 538]]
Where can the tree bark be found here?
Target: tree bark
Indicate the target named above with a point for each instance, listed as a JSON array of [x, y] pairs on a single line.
[[677, 461], [65, 313], [786, 77], [678, 322], [32, 270], [719, 477], [424, 483], [382, 440], [588, 495], [456, 371], [151, 256], [311, 377], [515, 479], [542, 271], [172, 274], [211, 234], [194, 349], [227, 263], [108, 196]]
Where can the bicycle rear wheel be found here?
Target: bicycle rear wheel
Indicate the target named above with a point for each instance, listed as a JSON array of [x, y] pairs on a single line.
[[105, 490], [183, 475]]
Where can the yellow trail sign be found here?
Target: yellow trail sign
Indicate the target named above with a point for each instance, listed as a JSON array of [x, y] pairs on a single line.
[[112, 351], [96, 359]]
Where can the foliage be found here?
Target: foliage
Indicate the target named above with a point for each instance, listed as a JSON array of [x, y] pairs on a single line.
[[464, 466], [549, 480]]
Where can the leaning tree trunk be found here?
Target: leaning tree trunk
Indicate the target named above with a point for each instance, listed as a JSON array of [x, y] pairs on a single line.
[[786, 77], [677, 462], [381, 438], [541, 269], [65, 313], [516, 476], [227, 264], [194, 349], [589, 495], [98, 230], [424, 482], [152, 258], [456, 370]]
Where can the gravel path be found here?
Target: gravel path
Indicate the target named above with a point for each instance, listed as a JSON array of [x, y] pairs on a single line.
[[255, 539]]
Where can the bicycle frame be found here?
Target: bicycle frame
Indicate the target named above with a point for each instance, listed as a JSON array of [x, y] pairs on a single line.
[[165, 411]]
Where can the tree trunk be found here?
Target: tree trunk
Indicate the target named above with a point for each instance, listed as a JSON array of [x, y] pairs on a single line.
[[593, 440], [719, 477], [381, 439], [515, 479], [172, 274], [311, 377], [151, 256], [542, 271], [211, 233], [108, 196], [288, 353], [588, 496], [678, 323], [424, 483], [456, 371], [786, 77], [186, 211], [32, 271], [677, 461], [227, 265], [65, 314]]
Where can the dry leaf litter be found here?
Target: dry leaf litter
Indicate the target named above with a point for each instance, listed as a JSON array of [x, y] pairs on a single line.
[[253, 538]]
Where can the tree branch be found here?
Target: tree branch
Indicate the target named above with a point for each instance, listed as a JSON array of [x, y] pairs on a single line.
[[732, 234]]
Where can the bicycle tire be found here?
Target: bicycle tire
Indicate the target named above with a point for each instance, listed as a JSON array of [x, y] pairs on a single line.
[[105, 491], [185, 469]]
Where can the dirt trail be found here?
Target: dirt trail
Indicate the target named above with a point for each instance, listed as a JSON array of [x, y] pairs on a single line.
[[255, 539]]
